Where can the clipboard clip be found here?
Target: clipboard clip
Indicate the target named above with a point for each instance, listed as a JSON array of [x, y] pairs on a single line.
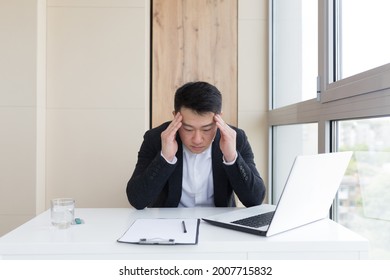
[[158, 241]]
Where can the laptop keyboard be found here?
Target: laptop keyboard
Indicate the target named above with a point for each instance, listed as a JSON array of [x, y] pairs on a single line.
[[257, 220]]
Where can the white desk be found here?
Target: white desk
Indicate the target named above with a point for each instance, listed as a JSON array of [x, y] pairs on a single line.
[[96, 239]]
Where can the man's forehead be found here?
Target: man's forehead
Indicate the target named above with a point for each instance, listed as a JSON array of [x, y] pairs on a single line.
[[198, 121], [197, 124]]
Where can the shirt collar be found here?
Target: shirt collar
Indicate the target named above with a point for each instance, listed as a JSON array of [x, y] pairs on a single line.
[[206, 153]]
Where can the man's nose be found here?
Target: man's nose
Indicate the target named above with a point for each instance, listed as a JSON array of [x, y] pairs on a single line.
[[197, 137]]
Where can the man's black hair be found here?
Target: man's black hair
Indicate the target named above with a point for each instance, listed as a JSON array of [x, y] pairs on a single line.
[[200, 97]]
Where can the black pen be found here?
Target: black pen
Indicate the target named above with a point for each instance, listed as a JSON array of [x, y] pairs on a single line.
[[184, 226]]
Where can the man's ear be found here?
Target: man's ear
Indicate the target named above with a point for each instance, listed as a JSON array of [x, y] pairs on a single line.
[[174, 113]]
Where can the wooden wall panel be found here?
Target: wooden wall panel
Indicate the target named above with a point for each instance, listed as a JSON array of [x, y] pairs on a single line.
[[193, 40]]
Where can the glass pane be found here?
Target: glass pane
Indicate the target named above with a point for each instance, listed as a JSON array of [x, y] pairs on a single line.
[[288, 142], [363, 36], [363, 203], [294, 51]]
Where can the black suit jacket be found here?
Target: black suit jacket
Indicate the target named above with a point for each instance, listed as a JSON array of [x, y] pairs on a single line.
[[156, 183]]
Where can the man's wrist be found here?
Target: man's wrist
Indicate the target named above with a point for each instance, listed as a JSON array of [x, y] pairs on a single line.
[[173, 161], [230, 162]]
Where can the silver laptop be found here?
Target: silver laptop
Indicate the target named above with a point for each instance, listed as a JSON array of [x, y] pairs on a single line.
[[307, 196]]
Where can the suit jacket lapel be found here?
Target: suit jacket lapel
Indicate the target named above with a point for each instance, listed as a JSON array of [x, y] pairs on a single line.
[[175, 181], [219, 177]]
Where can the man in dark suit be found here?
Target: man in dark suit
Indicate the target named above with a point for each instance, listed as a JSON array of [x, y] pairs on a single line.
[[196, 159]]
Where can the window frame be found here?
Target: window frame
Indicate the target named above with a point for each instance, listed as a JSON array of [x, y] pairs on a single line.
[[364, 95], [331, 87]]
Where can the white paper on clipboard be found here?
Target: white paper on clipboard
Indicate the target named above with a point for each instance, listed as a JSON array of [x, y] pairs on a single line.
[[162, 231]]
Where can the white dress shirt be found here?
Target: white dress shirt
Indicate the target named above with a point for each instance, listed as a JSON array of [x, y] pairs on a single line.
[[197, 183], [198, 186]]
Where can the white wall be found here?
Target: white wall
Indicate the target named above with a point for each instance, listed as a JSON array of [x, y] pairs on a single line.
[[74, 99]]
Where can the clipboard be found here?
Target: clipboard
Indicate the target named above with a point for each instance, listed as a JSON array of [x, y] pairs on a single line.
[[162, 231]]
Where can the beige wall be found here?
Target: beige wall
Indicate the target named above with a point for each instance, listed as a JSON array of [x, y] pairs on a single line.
[[18, 112], [97, 98], [74, 99], [253, 77]]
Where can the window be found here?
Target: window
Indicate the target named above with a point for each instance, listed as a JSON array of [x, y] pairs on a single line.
[[288, 142], [363, 46], [363, 199], [353, 48], [352, 111], [295, 42]]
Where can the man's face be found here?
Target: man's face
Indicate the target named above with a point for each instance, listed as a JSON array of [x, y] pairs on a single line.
[[197, 131]]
